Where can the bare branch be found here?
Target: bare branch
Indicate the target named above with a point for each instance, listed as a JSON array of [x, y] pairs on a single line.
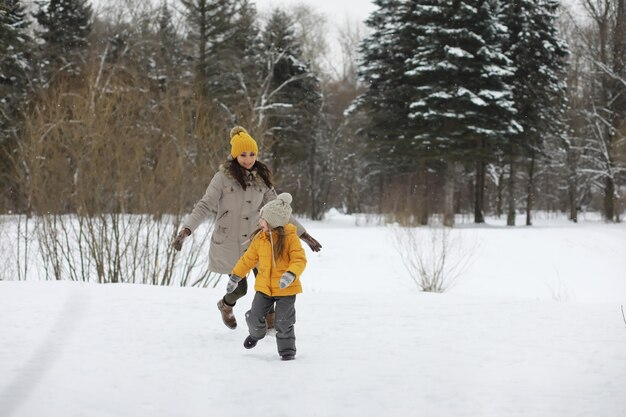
[[433, 257]]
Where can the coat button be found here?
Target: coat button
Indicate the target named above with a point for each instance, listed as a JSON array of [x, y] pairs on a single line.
[[246, 218], [245, 235], [249, 201]]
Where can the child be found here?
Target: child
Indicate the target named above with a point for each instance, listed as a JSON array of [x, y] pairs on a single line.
[[276, 251]]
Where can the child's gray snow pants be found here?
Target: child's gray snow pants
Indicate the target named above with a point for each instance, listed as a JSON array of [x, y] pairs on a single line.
[[285, 319]]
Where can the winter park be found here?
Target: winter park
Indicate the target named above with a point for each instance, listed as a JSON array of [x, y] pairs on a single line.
[[283, 208]]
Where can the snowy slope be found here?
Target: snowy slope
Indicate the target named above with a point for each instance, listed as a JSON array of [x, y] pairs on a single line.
[[503, 342]]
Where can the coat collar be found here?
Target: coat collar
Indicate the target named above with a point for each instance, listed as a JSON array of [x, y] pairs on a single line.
[[252, 175]]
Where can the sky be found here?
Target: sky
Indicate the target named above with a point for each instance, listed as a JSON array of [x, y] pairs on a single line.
[[337, 10], [339, 14], [532, 328]]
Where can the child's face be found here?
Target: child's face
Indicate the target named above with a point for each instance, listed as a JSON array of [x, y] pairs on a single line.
[[263, 224]]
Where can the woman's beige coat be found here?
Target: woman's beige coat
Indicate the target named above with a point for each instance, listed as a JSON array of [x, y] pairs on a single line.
[[237, 216]]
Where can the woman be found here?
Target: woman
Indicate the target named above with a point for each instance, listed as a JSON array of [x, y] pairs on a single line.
[[238, 190]]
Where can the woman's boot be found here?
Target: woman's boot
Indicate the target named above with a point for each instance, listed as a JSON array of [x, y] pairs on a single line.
[[227, 314], [269, 319]]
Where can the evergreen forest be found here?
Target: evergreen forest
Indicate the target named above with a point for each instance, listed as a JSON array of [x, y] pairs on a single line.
[[434, 108]]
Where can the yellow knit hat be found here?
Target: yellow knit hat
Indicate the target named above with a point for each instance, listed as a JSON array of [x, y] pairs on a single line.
[[241, 141]]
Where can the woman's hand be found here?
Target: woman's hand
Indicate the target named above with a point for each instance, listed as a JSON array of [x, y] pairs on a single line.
[[313, 244], [182, 235]]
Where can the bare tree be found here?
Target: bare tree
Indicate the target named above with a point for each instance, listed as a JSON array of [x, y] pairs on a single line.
[[606, 45], [312, 35], [108, 167], [434, 257]]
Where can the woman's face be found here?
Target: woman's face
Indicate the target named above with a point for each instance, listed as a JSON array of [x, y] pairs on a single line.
[[246, 159], [263, 224]]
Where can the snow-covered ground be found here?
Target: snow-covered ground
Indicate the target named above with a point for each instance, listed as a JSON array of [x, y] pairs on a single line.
[[532, 328]]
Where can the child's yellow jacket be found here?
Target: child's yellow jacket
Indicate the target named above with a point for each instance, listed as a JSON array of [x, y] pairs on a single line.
[[259, 254]]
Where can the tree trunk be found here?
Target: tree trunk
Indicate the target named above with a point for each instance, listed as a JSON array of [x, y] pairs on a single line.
[[312, 203], [479, 191], [350, 200], [618, 106], [607, 91], [351, 191], [530, 189], [609, 199], [448, 209], [381, 189], [422, 216], [573, 204], [500, 201], [510, 218], [572, 185]]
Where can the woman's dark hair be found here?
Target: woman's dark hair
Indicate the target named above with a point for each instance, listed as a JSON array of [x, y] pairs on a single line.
[[279, 241], [238, 172]]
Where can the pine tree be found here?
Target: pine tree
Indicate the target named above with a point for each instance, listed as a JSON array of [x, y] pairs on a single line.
[[387, 134], [14, 65], [65, 25], [210, 31], [539, 58], [295, 95], [168, 58], [292, 106], [463, 107], [241, 82], [385, 102], [15, 70]]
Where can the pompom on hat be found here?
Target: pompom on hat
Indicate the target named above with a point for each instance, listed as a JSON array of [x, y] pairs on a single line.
[[241, 141], [277, 212]]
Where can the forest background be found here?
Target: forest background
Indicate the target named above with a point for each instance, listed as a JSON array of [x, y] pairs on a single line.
[[112, 123]]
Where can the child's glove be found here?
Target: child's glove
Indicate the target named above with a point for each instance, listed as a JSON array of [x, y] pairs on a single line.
[[232, 283], [286, 280]]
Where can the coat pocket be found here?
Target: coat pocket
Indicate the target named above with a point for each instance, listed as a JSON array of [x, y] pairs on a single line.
[[221, 228]]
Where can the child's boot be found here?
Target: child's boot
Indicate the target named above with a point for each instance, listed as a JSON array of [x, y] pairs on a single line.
[[227, 314], [250, 342]]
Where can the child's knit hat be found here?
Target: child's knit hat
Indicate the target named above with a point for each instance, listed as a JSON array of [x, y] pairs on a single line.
[[241, 141], [277, 212]]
